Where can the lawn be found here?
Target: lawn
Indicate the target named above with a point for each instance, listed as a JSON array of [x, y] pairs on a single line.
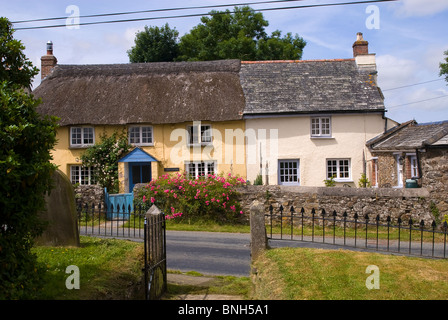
[[316, 274], [108, 269]]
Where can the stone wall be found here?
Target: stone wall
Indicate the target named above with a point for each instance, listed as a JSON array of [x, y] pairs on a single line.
[[90, 194], [387, 170], [404, 203], [434, 165]]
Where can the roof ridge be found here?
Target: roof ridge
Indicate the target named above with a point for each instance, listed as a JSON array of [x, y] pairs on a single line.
[[296, 61]]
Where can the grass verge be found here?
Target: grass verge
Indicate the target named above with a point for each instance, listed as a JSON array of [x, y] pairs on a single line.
[[316, 274], [108, 269]]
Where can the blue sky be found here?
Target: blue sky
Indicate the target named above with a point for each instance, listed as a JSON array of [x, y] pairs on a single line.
[[407, 36]]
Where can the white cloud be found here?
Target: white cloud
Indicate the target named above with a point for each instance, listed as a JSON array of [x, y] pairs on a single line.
[[394, 72], [420, 8]]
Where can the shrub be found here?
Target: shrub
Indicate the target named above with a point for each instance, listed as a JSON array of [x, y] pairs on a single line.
[[212, 197], [104, 156], [26, 139]]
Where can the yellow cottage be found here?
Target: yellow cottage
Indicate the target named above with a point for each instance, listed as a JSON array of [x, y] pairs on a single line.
[[179, 116]]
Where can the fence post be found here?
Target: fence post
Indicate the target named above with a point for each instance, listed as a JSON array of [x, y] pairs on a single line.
[[258, 235], [155, 254]]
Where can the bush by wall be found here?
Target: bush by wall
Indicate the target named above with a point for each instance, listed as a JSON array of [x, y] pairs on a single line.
[[180, 196]]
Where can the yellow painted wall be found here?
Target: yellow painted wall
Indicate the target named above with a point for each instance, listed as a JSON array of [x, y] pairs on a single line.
[[170, 149], [290, 138]]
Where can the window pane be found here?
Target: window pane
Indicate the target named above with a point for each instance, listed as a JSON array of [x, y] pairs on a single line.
[[191, 169], [211, 168], [84, 176], [344, 169], [88, 136], [134, 135], [201, 169], [146, 134], [76, 136], [325, 126], [206, 134], [192, 135], [74, 176], [315, 126]]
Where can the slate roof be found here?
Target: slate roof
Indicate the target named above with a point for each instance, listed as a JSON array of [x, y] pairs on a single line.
[[308, 86], [411, 136], [157, 93]]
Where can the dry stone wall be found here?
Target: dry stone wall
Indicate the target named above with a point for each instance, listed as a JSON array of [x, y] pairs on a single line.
[[403, 203]]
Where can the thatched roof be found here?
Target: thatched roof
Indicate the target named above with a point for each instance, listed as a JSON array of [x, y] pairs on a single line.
[[167, 92], [224, 90], [308, 86]]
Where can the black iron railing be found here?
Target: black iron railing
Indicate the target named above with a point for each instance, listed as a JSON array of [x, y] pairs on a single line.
[[366, 232], [114, 221]]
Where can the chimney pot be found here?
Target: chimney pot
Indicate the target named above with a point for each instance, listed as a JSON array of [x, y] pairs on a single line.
[[49, 48]]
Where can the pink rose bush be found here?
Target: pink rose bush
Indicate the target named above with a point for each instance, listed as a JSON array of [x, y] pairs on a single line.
[[181, 196]]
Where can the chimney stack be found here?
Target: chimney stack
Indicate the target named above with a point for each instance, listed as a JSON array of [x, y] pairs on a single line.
[[360, 46], [48, 62], [365, 61]]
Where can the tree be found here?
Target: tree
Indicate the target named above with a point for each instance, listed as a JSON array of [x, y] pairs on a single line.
[[225, 35], [155, 44], [14, 66], [26, 140], [239, 35], [104, 156], [444, 67]]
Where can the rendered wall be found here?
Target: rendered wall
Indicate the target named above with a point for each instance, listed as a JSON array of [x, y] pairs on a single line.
[[289, 138]]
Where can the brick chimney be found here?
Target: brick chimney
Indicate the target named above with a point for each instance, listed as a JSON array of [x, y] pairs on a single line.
[[48, 62], [360, 46], [365, 61]]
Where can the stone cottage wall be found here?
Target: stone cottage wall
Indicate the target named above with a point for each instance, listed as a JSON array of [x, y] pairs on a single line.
[[387, 170], [403, 203], [434, 164]]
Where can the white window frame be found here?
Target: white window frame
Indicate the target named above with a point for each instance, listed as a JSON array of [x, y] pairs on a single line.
[[142, 131], [290, 172], [338, 172], [197, 168], [414, 165], [78, 172], [204, 138], [83, 136], [317, 127]]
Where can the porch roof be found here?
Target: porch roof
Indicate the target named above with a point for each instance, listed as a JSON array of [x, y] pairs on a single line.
[[138, 155]]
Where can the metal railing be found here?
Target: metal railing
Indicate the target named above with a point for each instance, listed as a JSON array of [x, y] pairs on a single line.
[[364, 232], [113, 221]]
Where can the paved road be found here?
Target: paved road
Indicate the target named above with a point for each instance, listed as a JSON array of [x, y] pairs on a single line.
[[214, 253]]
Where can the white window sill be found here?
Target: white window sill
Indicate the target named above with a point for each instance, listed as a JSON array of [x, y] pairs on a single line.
[[80, 146], [322, 137], [142, 144]]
